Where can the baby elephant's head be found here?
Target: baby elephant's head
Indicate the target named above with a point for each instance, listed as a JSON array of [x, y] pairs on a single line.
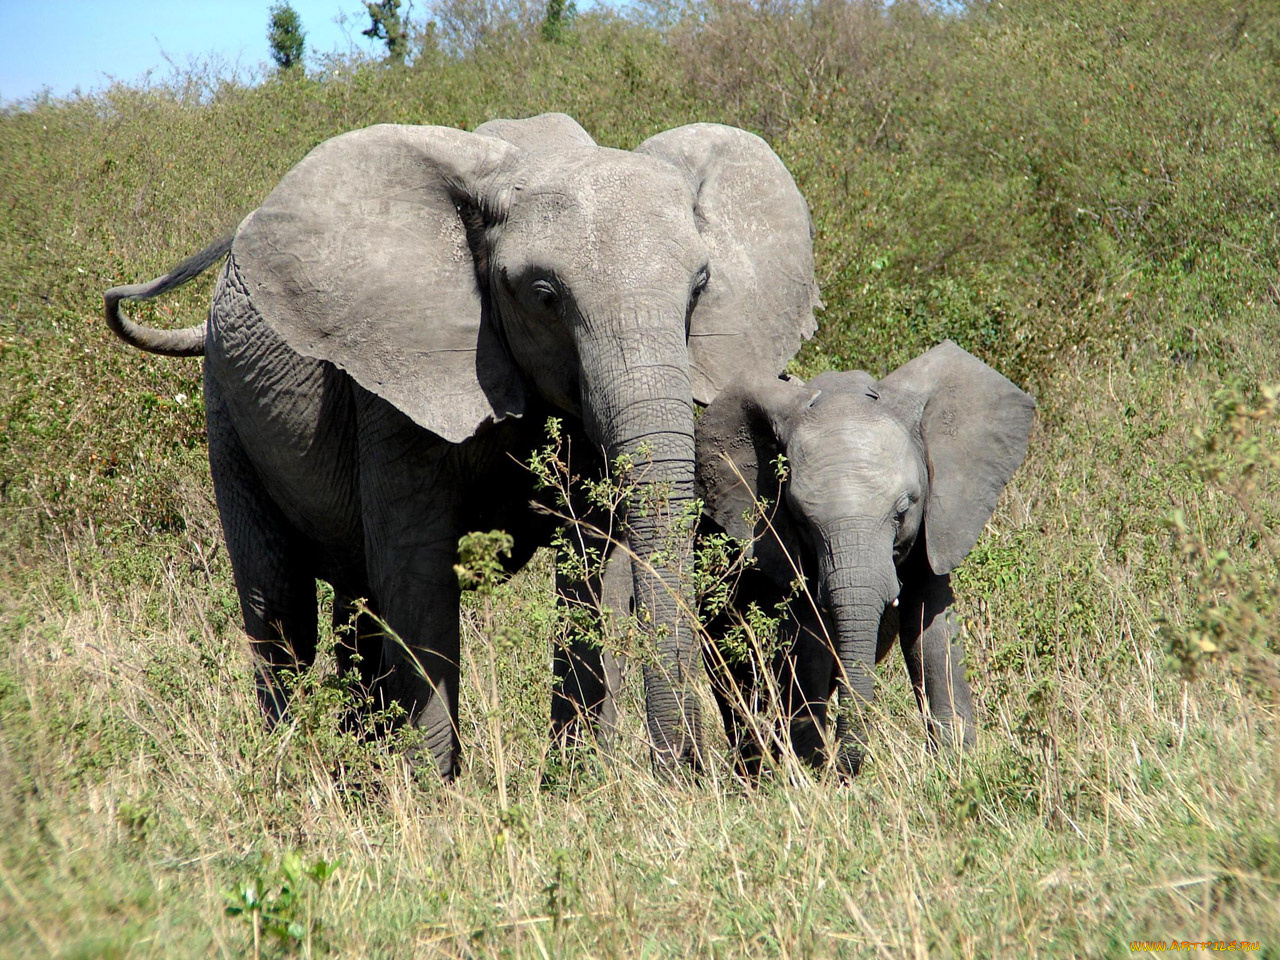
[[878, 479]]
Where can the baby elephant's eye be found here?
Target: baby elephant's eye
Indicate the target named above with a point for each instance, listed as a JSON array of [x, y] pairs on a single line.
[[900, 511], [545, 292]]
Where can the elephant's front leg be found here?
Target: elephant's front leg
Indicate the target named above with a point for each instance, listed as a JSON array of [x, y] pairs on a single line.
[[586, 674], [931, 644], [410, 490], [736, 687]]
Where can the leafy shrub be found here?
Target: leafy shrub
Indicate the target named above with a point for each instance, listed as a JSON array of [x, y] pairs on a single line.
[[1234, 617]]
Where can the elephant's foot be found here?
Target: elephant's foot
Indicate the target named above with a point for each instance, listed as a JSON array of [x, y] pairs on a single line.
[[676, 761], [849, 759], [808, 739], [952, 734]]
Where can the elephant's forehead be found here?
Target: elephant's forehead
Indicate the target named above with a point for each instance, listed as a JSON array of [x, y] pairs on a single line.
[[850, 431], [602, 193], [855, 463], [600, 175]]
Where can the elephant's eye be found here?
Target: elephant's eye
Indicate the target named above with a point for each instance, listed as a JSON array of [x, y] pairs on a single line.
[[900, 511], [545, 292], [700, 282]]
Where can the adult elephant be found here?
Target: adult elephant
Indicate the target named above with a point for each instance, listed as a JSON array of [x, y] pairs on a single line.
[[398, 318]]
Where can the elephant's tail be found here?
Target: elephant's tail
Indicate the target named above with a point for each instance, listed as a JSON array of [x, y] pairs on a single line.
[[187, 342]]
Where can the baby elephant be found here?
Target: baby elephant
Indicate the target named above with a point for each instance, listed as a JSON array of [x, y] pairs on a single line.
[[874, 491]]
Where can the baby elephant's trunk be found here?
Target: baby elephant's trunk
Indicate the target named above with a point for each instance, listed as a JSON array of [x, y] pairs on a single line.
[[857, 590]]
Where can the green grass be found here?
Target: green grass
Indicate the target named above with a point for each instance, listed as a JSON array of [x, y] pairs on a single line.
[[1082, 194]]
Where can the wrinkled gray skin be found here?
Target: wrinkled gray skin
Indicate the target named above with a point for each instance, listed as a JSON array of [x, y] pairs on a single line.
[[394, 325], [888, 485]]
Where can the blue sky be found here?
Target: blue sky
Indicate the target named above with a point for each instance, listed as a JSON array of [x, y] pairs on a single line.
[[65, 44]]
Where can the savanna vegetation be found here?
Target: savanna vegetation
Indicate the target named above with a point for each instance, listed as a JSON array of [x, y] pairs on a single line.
[[1083, 194]]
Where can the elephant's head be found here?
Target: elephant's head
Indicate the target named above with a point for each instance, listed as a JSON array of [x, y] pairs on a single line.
[[875, 473], [462, 275]]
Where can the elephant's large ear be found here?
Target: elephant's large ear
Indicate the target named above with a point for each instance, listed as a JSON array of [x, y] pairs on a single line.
[[361, 256], [546, 131], [758, 305], [976, 425], [737, 442]]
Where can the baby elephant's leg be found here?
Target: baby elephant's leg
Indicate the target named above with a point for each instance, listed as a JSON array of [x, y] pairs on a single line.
[[931, 644]]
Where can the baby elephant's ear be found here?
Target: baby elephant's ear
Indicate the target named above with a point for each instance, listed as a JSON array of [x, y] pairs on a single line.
[[738, 440], [975, 425]]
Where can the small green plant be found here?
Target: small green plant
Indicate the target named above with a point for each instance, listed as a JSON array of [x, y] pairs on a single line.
[[719, 560], [591, 506], [280, 904], [137, 818], [479, 565]]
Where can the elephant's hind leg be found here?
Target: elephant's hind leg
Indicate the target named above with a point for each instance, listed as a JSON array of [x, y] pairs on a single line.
[[273, 578]]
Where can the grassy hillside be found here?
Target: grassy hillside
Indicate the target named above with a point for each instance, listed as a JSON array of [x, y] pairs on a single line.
[[1083, 194]]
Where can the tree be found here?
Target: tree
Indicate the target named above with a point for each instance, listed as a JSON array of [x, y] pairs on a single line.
[[286, 36], [558, 20], [386, 25]]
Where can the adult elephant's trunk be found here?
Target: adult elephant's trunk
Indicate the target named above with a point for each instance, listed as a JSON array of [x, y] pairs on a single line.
[[657, 508], [642, 409], [858, 582]]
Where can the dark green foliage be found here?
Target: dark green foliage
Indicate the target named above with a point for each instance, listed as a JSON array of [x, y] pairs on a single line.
[[1235, 617], [286, 36], [479, 566], [385, 24]]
